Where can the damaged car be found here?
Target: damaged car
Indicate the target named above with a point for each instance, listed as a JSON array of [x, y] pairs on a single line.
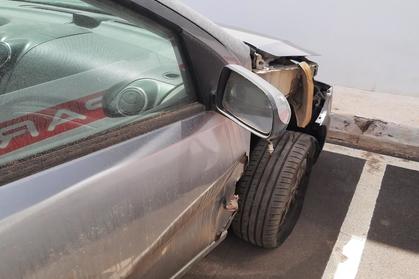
[[135, 134]]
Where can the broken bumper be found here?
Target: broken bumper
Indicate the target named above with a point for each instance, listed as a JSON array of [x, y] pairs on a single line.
[[324, 117], [321, 125]]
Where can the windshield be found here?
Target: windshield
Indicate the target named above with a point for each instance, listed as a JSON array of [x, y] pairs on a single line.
[[70, 71], [73, 4]]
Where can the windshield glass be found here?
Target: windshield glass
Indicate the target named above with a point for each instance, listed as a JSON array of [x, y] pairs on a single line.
[[67, 75], [75, 3]]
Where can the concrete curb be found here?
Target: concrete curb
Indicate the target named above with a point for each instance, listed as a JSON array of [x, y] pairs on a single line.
[[375, 135]]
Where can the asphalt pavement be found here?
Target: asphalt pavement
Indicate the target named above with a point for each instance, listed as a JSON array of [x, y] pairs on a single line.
[[360, 220]]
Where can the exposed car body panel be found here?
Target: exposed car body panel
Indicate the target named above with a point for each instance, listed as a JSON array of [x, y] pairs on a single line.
[[59, 222], [275, 47]]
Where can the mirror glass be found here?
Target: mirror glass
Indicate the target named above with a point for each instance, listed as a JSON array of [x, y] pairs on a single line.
[[248, 103]]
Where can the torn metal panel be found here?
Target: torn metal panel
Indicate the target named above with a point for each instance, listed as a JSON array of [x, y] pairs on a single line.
[[294, 79], [283, 76], [302, 100]]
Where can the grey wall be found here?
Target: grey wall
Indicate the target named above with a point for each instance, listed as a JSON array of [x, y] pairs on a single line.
[[371, 45]]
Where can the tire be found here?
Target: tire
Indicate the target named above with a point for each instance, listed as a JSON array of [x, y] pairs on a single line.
[[272, 189]]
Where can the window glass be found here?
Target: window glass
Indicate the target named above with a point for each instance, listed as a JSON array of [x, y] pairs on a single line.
[[69, 70], [248, 103]]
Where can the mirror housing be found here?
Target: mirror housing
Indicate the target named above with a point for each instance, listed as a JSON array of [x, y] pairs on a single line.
[[252, 102]]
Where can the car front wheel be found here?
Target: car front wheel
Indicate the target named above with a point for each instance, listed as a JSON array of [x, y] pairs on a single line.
[[272, 189]]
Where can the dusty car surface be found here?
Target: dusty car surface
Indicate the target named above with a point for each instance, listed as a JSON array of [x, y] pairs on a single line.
[[134, 133]]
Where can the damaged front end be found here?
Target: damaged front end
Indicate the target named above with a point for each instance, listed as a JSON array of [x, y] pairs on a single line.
[[294, 78], [287, 68], [310, 100]]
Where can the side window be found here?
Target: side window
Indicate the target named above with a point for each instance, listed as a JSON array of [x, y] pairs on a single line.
[[69, 71]]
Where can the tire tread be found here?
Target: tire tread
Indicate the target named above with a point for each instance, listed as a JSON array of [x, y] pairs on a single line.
[[265, 186]]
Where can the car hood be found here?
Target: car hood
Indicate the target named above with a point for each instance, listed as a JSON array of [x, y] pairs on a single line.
[[272, 46], [235, 40]]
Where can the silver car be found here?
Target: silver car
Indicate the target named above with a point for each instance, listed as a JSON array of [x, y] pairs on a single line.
[[134, 133]]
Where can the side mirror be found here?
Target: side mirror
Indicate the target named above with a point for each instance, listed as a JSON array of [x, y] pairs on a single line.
[[252, 102]]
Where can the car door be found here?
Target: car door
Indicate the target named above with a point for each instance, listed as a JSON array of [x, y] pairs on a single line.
[[111, 163]]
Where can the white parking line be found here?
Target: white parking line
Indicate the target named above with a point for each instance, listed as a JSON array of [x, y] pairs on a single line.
[[357, 153], [352, 251], [347, 251]]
